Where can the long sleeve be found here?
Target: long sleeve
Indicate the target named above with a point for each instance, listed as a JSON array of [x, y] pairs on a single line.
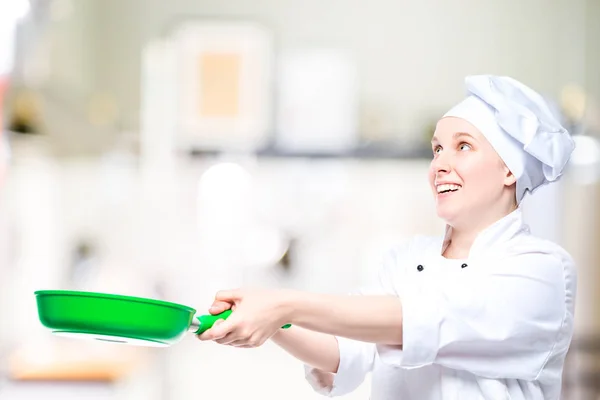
[[356, 361]]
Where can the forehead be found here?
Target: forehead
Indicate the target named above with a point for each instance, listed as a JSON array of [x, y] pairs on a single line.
[[447, 127]]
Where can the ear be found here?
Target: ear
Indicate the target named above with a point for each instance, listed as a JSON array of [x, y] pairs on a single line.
[[509, 178]]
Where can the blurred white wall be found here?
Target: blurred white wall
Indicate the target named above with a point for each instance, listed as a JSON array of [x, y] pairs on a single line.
[[412, 56]]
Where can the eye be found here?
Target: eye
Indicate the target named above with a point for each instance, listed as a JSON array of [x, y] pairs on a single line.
[[437, 149], [465, 146]]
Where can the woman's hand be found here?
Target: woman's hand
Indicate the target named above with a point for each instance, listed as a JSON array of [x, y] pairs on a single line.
[[257, 316]]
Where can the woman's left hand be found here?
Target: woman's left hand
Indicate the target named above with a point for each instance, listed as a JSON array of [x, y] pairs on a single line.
[[258, 315]]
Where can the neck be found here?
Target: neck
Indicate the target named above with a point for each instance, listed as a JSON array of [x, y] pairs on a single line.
[[463, 235], [460, 244]]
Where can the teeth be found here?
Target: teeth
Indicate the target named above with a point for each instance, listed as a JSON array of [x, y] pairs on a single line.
[[445, 188]]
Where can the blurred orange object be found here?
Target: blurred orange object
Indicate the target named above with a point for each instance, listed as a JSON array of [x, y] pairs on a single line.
[[55, 360]]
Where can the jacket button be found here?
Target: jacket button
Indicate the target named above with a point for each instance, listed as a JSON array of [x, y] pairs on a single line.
[[464, 265], [419, 268]]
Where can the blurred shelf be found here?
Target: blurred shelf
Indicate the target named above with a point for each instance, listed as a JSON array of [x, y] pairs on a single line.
[[57, 391], [379, 151]]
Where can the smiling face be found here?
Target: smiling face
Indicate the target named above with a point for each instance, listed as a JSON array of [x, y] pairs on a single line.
[[470, 182]]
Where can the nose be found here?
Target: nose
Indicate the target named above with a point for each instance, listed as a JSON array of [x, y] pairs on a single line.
[[441, 163]]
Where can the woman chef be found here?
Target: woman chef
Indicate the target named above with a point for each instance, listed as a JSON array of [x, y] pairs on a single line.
[[484, 312]]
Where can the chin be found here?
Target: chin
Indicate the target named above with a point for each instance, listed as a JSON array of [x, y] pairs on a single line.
[[447, 215]]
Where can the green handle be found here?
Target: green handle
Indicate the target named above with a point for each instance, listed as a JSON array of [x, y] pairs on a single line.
[[207, 321]]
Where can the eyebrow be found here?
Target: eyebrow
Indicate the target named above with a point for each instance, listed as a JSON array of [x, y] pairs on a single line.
[[457, 135]]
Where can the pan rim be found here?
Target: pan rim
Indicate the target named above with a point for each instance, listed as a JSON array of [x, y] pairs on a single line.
[[113, 296]]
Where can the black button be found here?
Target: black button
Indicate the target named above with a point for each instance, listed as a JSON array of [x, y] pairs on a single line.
[[464, 265], [419, 268]]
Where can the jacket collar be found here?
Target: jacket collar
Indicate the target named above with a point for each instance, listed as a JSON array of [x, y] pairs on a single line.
[[495, 235]]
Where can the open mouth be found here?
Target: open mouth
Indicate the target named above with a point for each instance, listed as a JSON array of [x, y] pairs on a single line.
[[447, 188]]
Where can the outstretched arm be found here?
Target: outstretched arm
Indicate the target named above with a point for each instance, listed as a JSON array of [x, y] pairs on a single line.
[[259, 314]]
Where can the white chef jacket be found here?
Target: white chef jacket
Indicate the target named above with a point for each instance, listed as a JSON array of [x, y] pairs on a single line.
[[495, 326]]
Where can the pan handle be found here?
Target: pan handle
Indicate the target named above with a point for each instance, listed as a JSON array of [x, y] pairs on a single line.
[[203, 323]]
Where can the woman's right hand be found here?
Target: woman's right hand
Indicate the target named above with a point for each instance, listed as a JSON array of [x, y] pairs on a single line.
[[313, 348]]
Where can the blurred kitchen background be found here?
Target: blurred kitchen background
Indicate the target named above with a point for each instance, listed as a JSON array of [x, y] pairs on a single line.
[[170, 149]]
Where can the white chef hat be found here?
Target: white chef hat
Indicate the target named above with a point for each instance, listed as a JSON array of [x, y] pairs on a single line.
[[520, 126]]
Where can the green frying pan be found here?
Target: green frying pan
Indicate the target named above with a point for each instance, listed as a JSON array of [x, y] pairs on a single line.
[[120, 319]]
